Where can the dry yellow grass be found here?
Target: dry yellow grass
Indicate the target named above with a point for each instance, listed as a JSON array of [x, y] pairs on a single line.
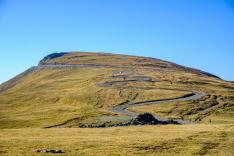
[[135, 140]]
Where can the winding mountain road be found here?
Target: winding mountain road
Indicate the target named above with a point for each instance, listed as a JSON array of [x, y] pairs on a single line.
[[122, 108]]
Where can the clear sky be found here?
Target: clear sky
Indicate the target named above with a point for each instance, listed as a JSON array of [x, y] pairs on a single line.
[[194, 33]]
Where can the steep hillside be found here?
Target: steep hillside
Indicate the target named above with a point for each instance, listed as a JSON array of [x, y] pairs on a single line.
[[79, 88]]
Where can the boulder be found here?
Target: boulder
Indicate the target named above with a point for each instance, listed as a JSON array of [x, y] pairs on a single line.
[[144, 119]]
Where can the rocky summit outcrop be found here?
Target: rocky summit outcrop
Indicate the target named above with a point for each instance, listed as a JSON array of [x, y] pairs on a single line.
[[52, 56]]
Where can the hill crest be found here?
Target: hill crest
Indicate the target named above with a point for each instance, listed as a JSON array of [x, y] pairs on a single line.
[[108, 59]]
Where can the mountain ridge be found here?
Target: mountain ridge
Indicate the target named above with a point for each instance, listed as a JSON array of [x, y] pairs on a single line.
[[61, 54]]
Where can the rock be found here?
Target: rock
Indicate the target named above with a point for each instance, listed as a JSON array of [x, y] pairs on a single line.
[[56, 151], [52, 56], [143, 119], [149, 119], [50, 151]]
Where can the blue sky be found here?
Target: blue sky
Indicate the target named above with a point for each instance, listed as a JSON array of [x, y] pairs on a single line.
[[194, 33]]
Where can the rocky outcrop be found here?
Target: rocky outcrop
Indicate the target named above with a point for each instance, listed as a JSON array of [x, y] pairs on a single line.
[[52, 56], [149, 119]]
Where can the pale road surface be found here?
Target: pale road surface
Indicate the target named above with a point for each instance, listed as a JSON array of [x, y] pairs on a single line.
[[122, 107]]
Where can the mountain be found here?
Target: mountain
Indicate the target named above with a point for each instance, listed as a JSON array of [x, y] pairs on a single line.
[[75, 89]]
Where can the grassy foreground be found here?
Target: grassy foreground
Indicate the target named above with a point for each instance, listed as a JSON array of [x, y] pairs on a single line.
[[200, 139]]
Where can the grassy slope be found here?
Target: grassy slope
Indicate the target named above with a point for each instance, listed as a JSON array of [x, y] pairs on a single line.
[[45, 97], [137, 140], [52, 96]]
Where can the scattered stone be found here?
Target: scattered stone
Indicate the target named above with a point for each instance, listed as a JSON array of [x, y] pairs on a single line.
[[50, 151]]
